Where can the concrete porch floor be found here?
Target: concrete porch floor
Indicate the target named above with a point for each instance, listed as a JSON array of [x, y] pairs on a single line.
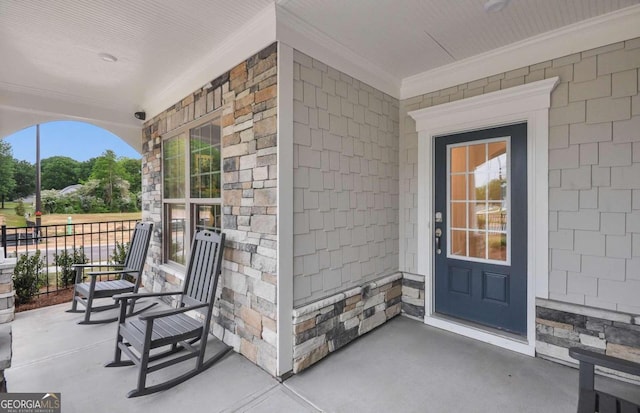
[[403, 366]]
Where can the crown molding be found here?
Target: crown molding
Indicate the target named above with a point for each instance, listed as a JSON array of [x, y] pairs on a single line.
[[519, 99], [302, 36], [247, 40], [581, 36]]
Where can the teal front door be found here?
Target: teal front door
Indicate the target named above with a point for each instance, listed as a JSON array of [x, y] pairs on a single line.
[[480, 227]]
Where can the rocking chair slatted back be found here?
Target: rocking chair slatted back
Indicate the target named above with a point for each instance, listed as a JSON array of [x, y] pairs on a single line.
[[138, 245], [200, 286]]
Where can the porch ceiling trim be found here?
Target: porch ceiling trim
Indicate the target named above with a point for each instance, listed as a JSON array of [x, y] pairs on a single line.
[[305, 38], [588, 34]]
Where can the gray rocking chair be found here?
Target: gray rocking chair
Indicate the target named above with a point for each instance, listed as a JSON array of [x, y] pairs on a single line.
[[592, 400], [173, 327], [86, 292]]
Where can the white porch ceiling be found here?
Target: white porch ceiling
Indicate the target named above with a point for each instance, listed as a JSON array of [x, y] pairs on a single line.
[[50, 49], [407, 37]]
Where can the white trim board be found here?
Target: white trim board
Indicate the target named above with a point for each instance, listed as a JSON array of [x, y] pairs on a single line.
[[578, 37], [284, 287], [527, 103]]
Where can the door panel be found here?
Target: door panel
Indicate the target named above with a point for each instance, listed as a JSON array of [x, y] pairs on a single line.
[[481, 196]]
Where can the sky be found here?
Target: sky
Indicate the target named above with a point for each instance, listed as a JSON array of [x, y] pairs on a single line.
[[77, 140]]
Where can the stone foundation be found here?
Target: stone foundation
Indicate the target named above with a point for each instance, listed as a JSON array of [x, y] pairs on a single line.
[[413, 295], [327, 325], [560, 326], [7, 314], [7, 294]]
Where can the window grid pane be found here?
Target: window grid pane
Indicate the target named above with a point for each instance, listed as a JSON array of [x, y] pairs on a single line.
[[175, 240], [207, 217], [477, 195], [174, 167], [204, 147]]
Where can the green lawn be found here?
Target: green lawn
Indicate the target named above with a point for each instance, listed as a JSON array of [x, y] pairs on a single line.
[[10, 217], [13, 220]]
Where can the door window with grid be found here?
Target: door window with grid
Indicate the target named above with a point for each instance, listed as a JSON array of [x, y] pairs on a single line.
[[478, 200]]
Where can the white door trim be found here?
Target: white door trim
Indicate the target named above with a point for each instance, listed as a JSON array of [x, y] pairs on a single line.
[[527, 103]]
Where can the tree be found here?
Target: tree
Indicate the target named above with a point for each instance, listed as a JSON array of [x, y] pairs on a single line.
[[58, 172], [7, 182], [49, 200], [83, 171], [133, 173], [110, 173], [25, 177]]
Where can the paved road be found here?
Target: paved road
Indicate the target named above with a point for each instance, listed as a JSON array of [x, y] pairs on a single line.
[[94, 253]]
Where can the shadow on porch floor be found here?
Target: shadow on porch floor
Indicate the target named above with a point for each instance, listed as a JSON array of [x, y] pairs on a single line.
[[403, 366]]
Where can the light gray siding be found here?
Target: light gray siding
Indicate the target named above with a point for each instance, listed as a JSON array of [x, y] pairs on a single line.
[[345, 181]]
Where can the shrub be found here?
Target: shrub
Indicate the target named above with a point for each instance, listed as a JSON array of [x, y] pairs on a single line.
[[119, 253], [26, 277], [20, 208], [65, 261]]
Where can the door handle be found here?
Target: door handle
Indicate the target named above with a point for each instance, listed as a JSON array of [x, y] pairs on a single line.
[[438, 235]]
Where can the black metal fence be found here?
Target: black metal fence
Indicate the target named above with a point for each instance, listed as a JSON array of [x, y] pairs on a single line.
[[96, 241]]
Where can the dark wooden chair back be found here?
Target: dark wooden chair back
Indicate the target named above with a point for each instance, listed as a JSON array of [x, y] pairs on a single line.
[[138, 246], [205, 264]]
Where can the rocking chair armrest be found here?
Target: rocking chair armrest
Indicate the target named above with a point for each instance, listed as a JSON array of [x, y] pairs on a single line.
[[603, 360], [96, 265], [99, 273], [173, 311], [136, 296]]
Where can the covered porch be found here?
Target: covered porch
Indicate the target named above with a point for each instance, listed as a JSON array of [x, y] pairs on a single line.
[[320, 173], [402, 366]]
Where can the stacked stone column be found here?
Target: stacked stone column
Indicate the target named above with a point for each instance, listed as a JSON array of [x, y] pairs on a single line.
[[7, 312]]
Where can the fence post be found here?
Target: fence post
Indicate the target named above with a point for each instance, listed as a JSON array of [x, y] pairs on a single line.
[[4, 239]]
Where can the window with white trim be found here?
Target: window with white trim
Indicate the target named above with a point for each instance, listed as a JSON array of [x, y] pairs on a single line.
[[191, 164]]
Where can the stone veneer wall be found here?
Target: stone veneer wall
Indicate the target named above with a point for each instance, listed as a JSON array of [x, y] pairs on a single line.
[[7, 293], [560, 326], [413, 295], [594, 196], [7, 314], [245, 313], [345, 177], [327, 325]]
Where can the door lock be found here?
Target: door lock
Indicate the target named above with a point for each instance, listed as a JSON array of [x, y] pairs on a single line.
[[438, 235]]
